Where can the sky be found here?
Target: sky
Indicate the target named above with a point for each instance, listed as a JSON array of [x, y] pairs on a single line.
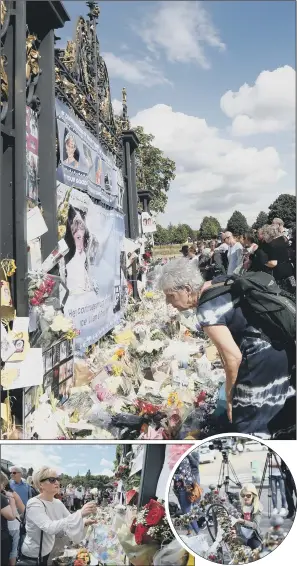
[[214, 82], [64, 458]]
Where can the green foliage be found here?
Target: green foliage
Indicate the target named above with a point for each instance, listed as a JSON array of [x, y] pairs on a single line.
[[237, 224], [154, 171], [261, 220], [210, 228], [89, 480], [284, 207]]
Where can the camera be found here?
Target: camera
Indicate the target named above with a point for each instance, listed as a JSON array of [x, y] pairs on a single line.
[[221, 445]]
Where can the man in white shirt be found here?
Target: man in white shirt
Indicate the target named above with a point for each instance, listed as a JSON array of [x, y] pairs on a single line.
[[235, 254]]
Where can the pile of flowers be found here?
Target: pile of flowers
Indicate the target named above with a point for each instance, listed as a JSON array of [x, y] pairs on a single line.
[[151, 525]]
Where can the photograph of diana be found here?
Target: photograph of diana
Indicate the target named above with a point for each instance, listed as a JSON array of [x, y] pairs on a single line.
[[71, 152], [77, 238]]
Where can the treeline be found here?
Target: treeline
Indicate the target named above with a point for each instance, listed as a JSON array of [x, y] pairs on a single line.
[[88, 480], [283, 207]]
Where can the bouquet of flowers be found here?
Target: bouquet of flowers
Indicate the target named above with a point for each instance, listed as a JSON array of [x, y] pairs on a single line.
[[151, 525], [40, 288]]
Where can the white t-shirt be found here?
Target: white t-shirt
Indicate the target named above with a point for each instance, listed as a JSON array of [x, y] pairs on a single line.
[[52, 518], [223, 247], [235, 258]]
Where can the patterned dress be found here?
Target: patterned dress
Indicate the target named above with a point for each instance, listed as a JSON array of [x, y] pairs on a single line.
[[263, 384]]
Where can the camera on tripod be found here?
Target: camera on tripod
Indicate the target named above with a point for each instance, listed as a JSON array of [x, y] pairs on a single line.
[[219, 444]]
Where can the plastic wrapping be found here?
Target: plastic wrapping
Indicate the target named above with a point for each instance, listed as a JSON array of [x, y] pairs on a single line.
[[138, 555], [171, 554]]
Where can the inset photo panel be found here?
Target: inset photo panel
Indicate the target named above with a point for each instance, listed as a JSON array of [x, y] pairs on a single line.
[[232, 500], [119, 491]]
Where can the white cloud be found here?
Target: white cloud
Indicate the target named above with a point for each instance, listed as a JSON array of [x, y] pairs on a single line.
[[266, 107], [106, 472], [215, 175], [106, 463], [134, 71], [182, 30], [117, 106], [32, 456]]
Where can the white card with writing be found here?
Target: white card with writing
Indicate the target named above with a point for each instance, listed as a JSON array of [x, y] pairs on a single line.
[[7, 345], [36, 225], [26, 373]]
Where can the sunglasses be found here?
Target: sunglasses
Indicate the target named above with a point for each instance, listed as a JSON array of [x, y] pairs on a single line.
[[247, 495], [14, 473], [51, 480]]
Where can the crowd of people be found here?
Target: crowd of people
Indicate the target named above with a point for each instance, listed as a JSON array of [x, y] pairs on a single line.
[[35, 510], [271, 249], [258, 359]]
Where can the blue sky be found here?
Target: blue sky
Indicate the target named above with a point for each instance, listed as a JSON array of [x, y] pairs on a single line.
[[64, 458], [177, 61]]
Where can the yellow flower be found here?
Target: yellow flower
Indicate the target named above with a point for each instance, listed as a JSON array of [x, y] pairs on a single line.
[[173, 400], [116, 370], [61, 231], [149, 295]]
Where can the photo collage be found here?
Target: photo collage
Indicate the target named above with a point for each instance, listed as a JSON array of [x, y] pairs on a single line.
[[58, 374]]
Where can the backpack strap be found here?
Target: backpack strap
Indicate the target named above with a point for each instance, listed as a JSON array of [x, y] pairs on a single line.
[[41, 538]]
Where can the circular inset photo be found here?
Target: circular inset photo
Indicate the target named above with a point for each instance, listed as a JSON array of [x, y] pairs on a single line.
[[232, 500]]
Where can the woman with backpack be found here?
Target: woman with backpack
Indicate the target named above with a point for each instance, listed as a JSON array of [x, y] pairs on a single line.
[[258, 366]]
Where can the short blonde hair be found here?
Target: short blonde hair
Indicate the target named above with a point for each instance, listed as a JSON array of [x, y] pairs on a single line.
[[42, 474], [270, 232]]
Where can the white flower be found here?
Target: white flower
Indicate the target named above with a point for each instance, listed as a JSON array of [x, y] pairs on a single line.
[[61, 324], [48, 313]]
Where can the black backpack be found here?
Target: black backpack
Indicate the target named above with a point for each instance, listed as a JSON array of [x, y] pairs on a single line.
[[264, 305]]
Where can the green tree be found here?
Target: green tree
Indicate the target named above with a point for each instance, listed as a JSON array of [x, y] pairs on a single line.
[[161, 236], [154, 171], [284, 207], [30, 472], [180, 234], [210, 227], [261, 220], [237, 224]]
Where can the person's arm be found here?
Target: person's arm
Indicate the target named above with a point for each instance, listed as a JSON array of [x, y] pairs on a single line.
[[230, 355], [255, 524], [7, 511], [19, 504], [37, 514]]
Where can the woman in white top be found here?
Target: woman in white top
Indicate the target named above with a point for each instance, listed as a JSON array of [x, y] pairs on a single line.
[[47, 514]]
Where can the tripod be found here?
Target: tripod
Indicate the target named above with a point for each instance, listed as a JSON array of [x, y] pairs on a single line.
[[268, 466], [224, 475]]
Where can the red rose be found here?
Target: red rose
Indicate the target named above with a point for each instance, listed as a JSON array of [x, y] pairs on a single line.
[[133, 527], [155, 515], [140, 533]]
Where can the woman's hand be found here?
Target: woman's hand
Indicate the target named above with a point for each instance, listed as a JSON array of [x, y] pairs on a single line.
[[89, 509], [89, 522], [240, 521]]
